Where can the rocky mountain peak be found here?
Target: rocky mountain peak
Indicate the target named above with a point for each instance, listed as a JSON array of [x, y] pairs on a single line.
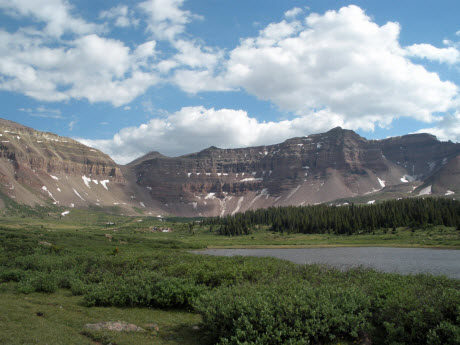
[[36, 166]]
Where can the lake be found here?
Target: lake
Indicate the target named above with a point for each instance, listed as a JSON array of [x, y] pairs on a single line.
[[397, 260]]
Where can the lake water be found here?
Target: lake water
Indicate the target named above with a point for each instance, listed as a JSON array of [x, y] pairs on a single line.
[[398, 260]]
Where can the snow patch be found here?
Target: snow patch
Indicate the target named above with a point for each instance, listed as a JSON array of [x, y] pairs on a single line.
[[59, 189], [86, 180], [104, 183], [407, 178], [189, 174], [95, 181], [149, 188], [449, 192], [51, 195], [444, 161], [371, 202], [78, 194], [210, 196], [54, 177], [318, 146], [382, 183], [249, 179], [238, 205], [65, 213], [293, 192], [142, 204], [262, 193], [425, 191], [72, 205], [223, 205]]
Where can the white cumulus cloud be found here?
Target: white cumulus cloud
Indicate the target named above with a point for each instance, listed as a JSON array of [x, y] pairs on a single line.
[[165, 18], [91, 67], [121, 15], [57, 14], [292, 13], [449, 55], [447, 129], [192, 129], [340, 61]]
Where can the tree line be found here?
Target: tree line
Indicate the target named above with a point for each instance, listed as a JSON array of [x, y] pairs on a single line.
[[349, 219]]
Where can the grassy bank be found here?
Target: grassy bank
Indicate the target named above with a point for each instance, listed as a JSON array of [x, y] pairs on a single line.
[[57, 275]]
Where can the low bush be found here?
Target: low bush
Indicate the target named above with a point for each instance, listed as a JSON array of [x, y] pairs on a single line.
[[148, 290], [280, 314], [38, 282], [11, 275]]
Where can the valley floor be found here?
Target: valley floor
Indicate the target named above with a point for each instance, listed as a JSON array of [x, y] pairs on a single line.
[[58, 274]]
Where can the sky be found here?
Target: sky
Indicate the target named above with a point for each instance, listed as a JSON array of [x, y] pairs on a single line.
[[178, 76]]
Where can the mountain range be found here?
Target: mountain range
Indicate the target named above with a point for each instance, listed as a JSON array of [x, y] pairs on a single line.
[[333, 167]]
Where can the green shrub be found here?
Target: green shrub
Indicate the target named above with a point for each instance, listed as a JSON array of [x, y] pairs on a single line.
[[38, 282], [416, 315], [11, 275], [280, 314], [77, 287], [146, 291]]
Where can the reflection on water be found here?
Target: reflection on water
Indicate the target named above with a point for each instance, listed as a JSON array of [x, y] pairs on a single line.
[[399, 260]]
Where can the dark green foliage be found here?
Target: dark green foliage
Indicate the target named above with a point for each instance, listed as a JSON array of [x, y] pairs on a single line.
[[322, 305], [38, 282], [344, 220], [11, 275], [284, 314], [148, 290]]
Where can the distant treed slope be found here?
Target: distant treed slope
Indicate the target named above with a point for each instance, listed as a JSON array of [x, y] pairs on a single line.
[[344, 219]]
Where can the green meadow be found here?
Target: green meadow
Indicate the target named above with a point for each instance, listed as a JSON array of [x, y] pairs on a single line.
[[60, 273]]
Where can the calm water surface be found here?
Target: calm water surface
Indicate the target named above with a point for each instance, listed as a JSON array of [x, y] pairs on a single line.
[[398, 260]]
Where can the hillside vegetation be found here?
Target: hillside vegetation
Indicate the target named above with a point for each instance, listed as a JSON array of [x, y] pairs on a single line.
[[347, 219]]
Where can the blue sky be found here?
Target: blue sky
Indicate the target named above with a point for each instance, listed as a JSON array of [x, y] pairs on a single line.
[[177, 76]]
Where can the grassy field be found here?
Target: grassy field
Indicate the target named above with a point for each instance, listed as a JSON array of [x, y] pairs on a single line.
[[58, 274], [60, 318]]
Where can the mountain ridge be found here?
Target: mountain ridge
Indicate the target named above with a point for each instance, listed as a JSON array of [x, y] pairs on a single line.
[[39, 167]]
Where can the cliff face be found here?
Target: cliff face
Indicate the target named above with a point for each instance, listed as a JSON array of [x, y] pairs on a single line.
[[36, 167], [300, 171]]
